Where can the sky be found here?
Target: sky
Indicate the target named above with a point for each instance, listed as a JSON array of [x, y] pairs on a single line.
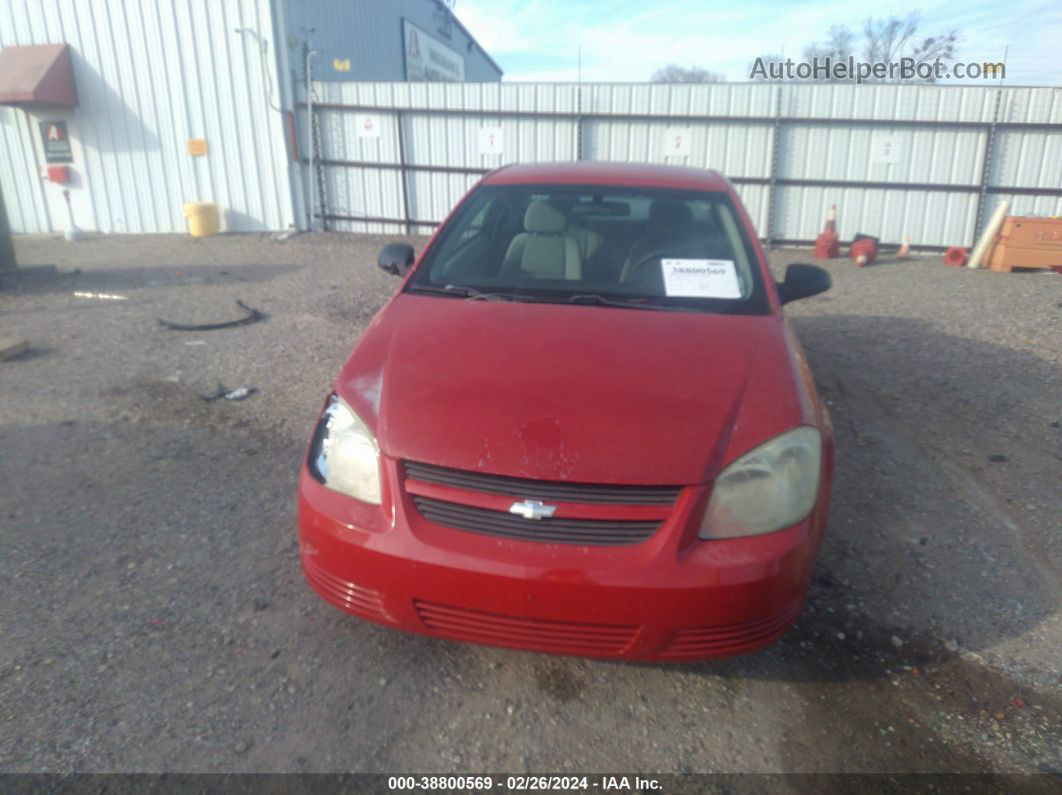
[[626, 40]]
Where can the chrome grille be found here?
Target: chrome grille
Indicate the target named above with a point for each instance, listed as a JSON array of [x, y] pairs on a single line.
[[594, 532], [526, 488]]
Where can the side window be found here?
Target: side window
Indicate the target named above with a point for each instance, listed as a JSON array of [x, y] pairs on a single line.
[[474, 228]]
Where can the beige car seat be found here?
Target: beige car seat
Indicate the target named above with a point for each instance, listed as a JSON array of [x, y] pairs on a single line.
[[670, 224], [543, 250]]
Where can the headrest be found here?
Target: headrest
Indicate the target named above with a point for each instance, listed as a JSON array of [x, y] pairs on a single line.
[[543, 218], [670, 217]]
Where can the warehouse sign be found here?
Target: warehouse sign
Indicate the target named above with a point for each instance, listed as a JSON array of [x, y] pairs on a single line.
[[885, 150], [427, 58], [677, 141], [491, 141], [367, 125], [56, 141]]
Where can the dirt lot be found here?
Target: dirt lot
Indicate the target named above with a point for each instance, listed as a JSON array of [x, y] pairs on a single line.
[[154, 617]]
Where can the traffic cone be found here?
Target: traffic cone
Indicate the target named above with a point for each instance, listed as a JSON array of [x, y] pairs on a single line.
[[864, 250], [827, 245], [956, 256], [905, 249]]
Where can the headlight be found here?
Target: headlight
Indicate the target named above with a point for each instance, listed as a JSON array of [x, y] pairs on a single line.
[[345, 455], [769, 488]]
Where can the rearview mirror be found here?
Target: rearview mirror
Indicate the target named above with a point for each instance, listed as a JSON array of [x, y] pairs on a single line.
[[802, 281], [396, 258]]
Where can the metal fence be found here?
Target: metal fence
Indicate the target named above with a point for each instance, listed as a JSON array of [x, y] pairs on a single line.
[[928, 162]]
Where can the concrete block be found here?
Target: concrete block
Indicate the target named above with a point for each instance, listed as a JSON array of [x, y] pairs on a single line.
[[10, 347]]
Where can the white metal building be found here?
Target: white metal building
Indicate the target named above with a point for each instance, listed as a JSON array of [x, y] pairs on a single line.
[[149, 78], [156, 103]]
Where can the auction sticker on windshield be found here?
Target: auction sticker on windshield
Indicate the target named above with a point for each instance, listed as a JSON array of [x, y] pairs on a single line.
[[700, 278]]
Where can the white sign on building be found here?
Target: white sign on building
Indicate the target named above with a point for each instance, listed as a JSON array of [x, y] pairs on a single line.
[[677, 141], [367, 125], [884, 150], [490, 141], [427, 58]]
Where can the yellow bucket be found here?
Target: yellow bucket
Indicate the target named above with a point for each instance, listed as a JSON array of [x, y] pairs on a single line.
[[202, 218]]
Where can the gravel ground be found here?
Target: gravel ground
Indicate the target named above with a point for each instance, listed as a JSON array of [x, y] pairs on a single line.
[[154, 618]]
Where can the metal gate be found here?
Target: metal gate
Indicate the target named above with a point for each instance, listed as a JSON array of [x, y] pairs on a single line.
[[929, 162]]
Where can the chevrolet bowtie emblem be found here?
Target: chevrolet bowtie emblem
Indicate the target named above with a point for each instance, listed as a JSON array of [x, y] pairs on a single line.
[[532, 509]]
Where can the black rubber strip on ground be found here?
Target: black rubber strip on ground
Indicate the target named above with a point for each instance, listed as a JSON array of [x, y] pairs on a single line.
[[253, 316]]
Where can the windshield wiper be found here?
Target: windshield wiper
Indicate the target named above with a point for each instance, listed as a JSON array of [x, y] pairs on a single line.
[[629, 303], [463, 291], [594, 299], [427, 288], [472, 294]]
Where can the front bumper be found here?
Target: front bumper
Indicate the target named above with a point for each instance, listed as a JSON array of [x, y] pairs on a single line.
[[672, 597]]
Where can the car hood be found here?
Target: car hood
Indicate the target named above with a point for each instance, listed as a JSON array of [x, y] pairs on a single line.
[[581, 393]]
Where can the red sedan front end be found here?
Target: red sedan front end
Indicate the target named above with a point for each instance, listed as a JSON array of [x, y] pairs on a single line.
[[544, 470]]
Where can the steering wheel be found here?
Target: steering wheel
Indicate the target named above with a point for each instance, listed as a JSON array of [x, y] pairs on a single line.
[[675, 250]]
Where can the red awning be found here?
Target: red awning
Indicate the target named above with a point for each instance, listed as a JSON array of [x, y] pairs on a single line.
[[40, 74]]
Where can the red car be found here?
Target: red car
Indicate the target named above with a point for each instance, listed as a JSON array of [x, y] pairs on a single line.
[[583, 425]]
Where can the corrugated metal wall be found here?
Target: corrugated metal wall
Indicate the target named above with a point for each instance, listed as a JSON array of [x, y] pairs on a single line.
[[791, 150], [150, 75], [368, 35]]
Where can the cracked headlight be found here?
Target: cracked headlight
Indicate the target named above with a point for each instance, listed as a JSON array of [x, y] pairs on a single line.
[[769, 488], [344, 455]]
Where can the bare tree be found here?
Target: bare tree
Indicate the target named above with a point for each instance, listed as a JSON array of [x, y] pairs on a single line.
[[673, 73], [838, 46], [886, 40], [897, 37]]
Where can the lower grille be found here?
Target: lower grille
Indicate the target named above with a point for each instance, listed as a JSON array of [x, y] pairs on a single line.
[[594, 532], [525, 633], [706, 641], [354, 598]]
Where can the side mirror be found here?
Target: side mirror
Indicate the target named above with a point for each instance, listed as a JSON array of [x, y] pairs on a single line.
[[802, 281], [396, 258]]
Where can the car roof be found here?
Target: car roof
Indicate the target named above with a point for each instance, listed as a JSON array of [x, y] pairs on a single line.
[[589, 173]]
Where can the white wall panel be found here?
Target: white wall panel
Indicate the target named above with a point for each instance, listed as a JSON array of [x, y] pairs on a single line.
[[735, 149], [434, 195], [838, 152], [23, 197], [928, 218], [150, 75], [826, 133], [756, 199], [1028, 159], [1032, 105], [1025, 204]]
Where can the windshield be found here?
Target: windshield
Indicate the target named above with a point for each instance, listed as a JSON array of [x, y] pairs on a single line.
[[649, 248]]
